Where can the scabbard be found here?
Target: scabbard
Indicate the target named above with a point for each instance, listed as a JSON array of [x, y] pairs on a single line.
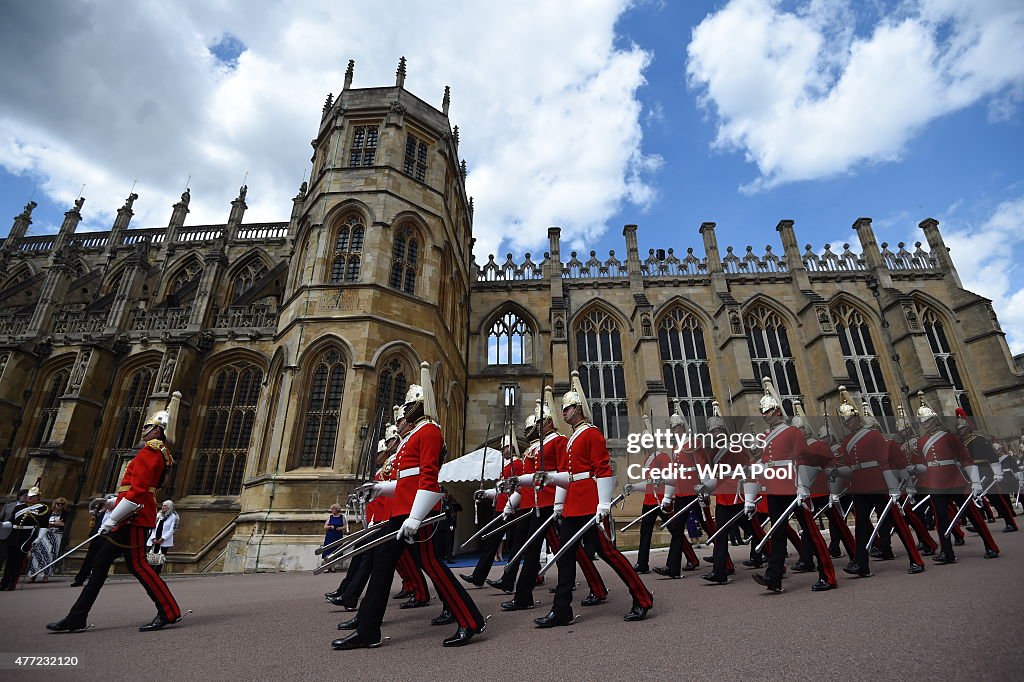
[[384, 539]]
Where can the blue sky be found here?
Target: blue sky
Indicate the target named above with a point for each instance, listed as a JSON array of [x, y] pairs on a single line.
[[587, 115]]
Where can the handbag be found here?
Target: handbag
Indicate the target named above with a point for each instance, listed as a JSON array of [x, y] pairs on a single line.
[[155, 557]]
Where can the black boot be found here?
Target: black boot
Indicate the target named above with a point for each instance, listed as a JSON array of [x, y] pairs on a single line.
[[64, 625], [822, 586], [592, 600], [350, 624], [158, 623], [637, 613], [771, 586], [552, 621], [915, 569], [354, 641], [446, 618], [413, 604], [462, 636]]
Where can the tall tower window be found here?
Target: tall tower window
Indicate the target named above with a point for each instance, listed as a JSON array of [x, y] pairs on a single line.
[[415, 157], [404, 258], [509, 341], [231, 413], [363, 150], [391, 388], [862, 364], [684, 363], [348, 248], [599, 361], [326, 388], [944, 358], [130, 420], [770, 353], [51, 405]]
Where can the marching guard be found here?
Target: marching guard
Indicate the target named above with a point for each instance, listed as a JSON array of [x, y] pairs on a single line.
[[784, 446], [125, 531], [585, 486], [417, 495], [728, 498], [985, 456], [941, 475], [654, 490], [679, 495]]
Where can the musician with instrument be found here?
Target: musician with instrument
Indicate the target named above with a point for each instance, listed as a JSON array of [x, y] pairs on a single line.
[[26, 520]]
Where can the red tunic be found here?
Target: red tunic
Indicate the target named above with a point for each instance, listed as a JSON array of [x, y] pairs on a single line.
[[785, 449], [867, 452], [422, 449], [586, 452], [140, 482], [686, 474], [819, 454], [656, 461], [554, 448], [730, 490], [943, 452]]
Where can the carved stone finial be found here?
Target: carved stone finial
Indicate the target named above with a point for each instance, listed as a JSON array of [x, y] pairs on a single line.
[[328, 102], [131, 200], [349, 72], [447, 100], [462, 169], [242, 191], [455, 136], [79, 202], [400, 73], [186, 196]]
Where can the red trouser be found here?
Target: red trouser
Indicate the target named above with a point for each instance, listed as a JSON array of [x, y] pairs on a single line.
[[412, 577], [590, 572], [837, 525], [923, 535], [903, 530]]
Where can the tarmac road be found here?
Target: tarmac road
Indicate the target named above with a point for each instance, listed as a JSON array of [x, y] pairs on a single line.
[[959, 621]]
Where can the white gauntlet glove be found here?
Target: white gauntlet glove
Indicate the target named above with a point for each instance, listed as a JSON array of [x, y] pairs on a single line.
[[605, 488], [750, 491], [122, 512], [424, 501], [559, 505]]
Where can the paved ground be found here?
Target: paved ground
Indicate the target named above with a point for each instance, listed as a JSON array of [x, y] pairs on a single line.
[[951, 622]]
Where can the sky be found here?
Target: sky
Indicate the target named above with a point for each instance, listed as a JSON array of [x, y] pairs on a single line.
[[585, 114]]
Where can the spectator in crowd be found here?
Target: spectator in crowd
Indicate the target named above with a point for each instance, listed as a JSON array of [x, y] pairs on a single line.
[[47, 545], [161, 538], [335, 528]]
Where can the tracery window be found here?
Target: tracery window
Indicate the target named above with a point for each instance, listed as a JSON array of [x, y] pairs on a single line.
[[684, 364], [405, 255], [244, 279], [323, 411], [363, 150], [944, 358], [599, 362], [770, 353], [348, 248], [862, 363], [509, 341], [51, 405], [230, 415], [130, 419], [415, 163]]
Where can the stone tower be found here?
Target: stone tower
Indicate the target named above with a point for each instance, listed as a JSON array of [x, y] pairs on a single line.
[[378, 282]]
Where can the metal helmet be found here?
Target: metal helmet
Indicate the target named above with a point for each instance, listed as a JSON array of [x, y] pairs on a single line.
[[869, 417], [382, 446], [846, 409], [677, 418], [576, 396], [423, 392], [962, 420], [390, 432], [924, 411], [165, 418], [902, 423], [715, 421], [799, 419]]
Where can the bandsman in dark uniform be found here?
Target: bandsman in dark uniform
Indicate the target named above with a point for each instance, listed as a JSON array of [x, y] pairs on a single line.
[[990, 466], [22, 529], [127, 528]]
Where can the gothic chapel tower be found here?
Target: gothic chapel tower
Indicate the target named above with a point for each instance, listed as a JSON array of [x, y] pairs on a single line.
[[378, 282]]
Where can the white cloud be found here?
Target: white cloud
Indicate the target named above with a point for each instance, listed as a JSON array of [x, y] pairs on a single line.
[[986, 257], [128, 92], [803, 97]]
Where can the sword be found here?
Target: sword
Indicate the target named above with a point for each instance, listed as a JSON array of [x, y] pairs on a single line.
[[678, 513], [571, 544], [970, 499], [646, 513], [874, 533], [783, 520], [483, 466], [372, 544], [824, 509], [75, 548], [348, 539], [729, 523], [502, 527], [536, 536], [481, 531], [923, 500], [848, 510]]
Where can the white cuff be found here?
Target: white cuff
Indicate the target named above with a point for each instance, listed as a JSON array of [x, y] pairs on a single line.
[[124, 509], [750, 491], [670, 491], [892, 480], [997, 469], [605, 489], [526, 481], [513, 501], [559, 478], [424, 501], [560, 494], [805, 475], [386, 488], [973, 473]]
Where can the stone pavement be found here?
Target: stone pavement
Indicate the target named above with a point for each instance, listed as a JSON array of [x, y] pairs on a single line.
[[959, 621]]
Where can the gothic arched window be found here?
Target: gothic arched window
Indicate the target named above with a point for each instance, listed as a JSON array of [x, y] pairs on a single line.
[[185, 275], [326, 387], [348, 248], [137, 388], [770, 353], [684, 363], [509, 341], [230, 414], [599, 361], [244, 278], [944, 357], [391, 387], [51, 405], [405, 256], [862, 364]]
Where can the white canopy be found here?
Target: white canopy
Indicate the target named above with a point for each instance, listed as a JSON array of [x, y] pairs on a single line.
[[467, 467]]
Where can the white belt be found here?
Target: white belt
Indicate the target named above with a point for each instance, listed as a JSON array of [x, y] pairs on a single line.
[[412, 471], [864, 465], [780, 463], [579, 477], [941, 462]]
